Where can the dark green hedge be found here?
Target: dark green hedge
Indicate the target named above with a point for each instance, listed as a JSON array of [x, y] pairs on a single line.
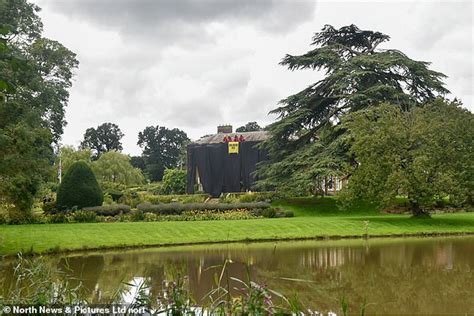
[[109, 210], [178, 208], [79, 188]]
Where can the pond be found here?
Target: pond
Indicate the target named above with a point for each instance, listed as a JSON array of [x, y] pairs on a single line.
[[392, 276]]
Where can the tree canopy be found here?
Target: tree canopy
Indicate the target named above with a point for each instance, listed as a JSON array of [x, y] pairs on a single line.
[[35, 75], [111, 168], [104, 138], [304, 142], [115, 167], [425, 154], [68, 156], [162, 148], [249, 127]]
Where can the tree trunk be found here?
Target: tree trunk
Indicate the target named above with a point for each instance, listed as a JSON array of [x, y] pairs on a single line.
[[416, 210], [325, 185]]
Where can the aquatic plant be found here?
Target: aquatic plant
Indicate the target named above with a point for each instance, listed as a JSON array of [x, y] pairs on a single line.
[[36, 283]]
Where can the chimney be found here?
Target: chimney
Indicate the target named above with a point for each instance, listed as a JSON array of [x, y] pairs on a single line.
[[224, 129]]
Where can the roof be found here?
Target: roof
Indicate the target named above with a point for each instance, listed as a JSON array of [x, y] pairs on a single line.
[[257, 136]]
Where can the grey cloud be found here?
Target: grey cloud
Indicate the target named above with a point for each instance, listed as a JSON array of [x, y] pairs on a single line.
[[196, 64], [194, 113], [169, 19], [442, 20]]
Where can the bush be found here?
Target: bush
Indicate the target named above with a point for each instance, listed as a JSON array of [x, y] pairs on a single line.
[[79, 188], [49, 207], [16, 217], [108, 199], [137, 216], [197, 216], [157, 199], [85, 217], [178, 208], [114, 194], [193, 198], [40, 219], [245, 197], [150, 217], [174, 181], [130, 198], [4, 219], [269, 213], [109, 210], [58, 218]]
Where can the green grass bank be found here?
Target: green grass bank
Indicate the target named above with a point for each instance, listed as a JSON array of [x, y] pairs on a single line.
[[313, 219]]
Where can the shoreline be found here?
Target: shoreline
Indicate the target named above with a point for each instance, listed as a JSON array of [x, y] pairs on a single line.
[[55, 251]]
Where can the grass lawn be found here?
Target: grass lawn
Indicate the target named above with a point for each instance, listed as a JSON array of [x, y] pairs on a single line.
[[313, 218]]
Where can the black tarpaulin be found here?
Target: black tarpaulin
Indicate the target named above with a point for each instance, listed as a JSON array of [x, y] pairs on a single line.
[[219, 171]]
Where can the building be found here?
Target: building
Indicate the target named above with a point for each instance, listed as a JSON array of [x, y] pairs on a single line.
[[224, 162]]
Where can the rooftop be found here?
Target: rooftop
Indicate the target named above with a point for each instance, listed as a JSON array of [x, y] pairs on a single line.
[[219, 137]]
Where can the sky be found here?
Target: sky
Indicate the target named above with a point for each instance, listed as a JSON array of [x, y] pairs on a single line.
[[197, 64]]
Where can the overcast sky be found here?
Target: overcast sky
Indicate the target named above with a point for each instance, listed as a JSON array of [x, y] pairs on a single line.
[[197, 64]]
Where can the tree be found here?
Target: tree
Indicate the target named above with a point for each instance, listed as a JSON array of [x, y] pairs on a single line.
[[425, 154], [25, 155], [79, 188], [305, 143], [104, 138], [249, 127], [68, 156], [174, 181], [44, 75], [35, 75], [162, 148], [138, 162], [115, 167]]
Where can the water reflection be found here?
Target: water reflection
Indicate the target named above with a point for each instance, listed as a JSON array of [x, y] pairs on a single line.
[[398, 276]]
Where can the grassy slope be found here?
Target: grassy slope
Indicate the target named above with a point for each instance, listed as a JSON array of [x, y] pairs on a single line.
[[323, 206], [311, 220]]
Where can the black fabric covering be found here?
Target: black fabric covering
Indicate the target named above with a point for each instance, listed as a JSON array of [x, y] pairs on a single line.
[[220, 171]]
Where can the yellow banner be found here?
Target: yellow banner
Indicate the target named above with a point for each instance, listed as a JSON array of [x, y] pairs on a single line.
[[233, 147]]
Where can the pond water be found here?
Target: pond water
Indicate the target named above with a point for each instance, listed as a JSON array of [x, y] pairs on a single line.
[[393, 276]]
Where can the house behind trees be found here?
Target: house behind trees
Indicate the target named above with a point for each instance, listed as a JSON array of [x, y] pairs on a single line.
[[224, 162]]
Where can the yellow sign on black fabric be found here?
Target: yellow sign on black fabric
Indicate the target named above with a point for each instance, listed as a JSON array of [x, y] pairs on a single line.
[[233, 147]]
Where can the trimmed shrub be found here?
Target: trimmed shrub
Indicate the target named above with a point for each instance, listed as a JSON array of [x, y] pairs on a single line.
[[79, 188], [178, 208], [184, 198], [289, 214], [197, 216], [246, 197], [108, 210]]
